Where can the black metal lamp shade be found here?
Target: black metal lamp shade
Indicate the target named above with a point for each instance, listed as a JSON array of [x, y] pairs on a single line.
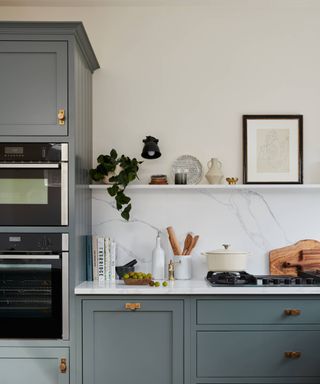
[[150, 149]]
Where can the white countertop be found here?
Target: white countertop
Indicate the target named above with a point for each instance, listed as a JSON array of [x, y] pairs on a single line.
[[186, 287]]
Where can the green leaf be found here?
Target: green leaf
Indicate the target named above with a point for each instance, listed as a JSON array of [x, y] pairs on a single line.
[[126, 212], [113, 190], [122, 198], [113, 154], [95, 175]]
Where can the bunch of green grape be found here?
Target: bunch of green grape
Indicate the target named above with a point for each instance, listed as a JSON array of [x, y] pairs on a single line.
[[137, 275]]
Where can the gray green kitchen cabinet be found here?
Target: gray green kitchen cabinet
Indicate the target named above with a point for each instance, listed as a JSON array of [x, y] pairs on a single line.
[[43, 77], [209, 339], [255, 339], [46, 67], [34, 365], [132, 340], [34, 75]]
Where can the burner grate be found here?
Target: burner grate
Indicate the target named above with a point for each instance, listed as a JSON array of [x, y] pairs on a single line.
[[231, 278]]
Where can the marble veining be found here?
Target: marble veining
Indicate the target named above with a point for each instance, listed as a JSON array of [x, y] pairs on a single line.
[[250, 221]]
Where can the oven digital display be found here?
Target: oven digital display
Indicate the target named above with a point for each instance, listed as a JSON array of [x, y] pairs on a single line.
[[13, 150]]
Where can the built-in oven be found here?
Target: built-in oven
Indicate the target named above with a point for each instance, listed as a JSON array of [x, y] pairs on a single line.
[[34, 285], [33, 184]]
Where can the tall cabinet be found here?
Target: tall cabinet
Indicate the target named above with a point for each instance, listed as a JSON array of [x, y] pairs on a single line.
[[46, 96]]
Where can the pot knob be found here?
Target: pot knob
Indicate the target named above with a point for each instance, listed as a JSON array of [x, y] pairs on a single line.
[[226, 246]]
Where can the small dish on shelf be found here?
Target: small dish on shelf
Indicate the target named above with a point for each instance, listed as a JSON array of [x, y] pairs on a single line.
[[190, 165]]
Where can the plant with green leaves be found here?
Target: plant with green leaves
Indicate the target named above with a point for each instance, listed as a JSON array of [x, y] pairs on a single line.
[[107, 164]]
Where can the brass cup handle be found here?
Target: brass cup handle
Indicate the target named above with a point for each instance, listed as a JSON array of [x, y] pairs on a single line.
[[63, 365], [292, 312], [132, 306], [292, 355], [61, 116]]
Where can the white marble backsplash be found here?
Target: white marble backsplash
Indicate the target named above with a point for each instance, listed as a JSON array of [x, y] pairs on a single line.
[[249, 220]]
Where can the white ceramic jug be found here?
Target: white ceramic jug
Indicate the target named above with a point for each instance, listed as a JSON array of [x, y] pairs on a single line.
[[214, 174]]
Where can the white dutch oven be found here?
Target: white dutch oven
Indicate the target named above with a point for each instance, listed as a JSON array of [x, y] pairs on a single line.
[[225, 260]]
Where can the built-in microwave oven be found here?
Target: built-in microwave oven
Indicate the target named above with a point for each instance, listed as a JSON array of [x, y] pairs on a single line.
[[34, 298], [33, 184]]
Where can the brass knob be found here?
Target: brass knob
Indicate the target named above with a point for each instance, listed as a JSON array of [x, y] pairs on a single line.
[[63, 365], [132, 306], [292, 312], [292, 355], [61, 116]]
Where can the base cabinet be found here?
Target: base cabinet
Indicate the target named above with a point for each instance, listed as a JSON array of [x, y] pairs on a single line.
[[243, 339], [255, 340], [133, 341], [34, 365]]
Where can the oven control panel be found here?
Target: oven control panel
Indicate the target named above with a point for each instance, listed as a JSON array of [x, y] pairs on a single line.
[[37, 152]]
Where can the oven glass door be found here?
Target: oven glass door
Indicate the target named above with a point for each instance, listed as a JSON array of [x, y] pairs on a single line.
[[30, 296], [33, 195]]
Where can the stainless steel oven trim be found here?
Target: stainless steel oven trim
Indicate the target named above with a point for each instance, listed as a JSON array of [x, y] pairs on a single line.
[[64, 193], [65, 242], [33, 257], [65, 295], [30, 165], [64, 152]]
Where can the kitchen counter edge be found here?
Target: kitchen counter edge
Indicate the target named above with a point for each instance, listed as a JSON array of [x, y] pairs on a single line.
[[186, 287]]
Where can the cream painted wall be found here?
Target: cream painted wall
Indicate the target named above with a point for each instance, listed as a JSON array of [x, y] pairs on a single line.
[[186, 74]]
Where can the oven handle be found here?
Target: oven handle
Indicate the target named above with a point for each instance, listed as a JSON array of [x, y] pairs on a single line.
[[64, 194], [30, 165], [35, 257], [65, 295]]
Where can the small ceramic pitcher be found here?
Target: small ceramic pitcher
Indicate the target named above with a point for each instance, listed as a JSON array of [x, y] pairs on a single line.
[[214, 174]]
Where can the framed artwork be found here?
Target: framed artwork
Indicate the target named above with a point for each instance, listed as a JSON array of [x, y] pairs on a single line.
[[272, 149]]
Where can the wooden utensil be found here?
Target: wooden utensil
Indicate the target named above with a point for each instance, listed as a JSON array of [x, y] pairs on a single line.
[[192, 245], [174, 241], [187, 243], [303, 255]]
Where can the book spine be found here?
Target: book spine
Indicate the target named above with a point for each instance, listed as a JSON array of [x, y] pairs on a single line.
[[89, 265], [94, 258], [101, 264], [113, 260], [108, 258]]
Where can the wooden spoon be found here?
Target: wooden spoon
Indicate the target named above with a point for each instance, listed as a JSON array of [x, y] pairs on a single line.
[[192, 245], [187, 243]]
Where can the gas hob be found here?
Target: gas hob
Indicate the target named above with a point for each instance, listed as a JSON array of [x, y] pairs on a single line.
[[242, 278]]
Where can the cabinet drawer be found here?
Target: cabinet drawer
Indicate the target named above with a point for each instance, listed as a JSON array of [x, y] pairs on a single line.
[[258, 311], [257, 354], [34, 365]]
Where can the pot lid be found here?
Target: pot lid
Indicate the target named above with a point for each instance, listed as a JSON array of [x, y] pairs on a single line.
[[226, 249]]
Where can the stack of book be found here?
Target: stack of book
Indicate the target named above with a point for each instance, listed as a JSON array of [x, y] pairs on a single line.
[[101, 258]]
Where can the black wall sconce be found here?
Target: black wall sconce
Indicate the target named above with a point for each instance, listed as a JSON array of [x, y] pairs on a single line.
[[150, 149]]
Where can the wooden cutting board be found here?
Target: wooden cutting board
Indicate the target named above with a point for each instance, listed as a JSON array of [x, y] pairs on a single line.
[[304, 255]]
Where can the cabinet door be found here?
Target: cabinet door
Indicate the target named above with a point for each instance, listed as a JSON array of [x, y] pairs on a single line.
[[33, 78], [140, 346], [33, 365]]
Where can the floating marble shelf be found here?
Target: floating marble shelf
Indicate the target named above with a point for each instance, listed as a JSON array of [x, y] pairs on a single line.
[[224, 187]]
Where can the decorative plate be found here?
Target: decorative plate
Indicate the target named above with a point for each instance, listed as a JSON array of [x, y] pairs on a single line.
[[190, 164]]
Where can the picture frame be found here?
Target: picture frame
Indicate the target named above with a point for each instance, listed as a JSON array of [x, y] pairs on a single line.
[[272, 149]]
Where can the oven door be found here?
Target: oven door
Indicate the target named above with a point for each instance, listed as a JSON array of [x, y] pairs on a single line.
[[31, 296], [33, 194]]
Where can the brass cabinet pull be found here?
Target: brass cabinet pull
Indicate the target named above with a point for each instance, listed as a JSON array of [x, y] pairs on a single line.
[[292, 355], [132, 306], [63, 365], [61, 116], [292, 312]]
